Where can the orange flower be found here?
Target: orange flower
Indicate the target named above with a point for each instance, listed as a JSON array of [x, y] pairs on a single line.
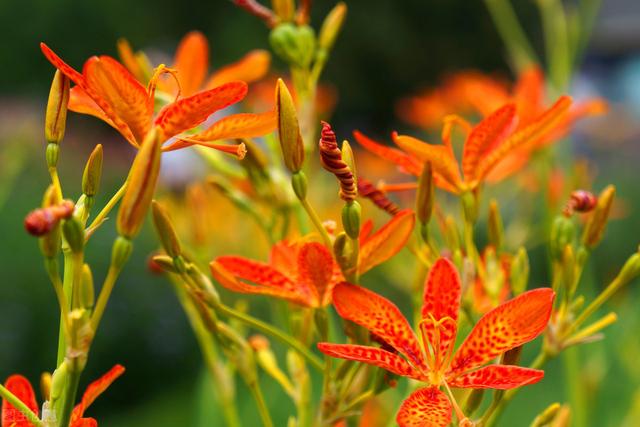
[[21, 387], [487, 144], [306, 273], [106, 89], [509, 325]]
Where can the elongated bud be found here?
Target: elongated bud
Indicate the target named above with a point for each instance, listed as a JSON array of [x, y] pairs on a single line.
[[331, 159], [164, 263], [42, 221], [56, 115], [569, 269], [547, 416], [284, 9], [473, 401], [299, 184], [92, 172], [120, 252], [87, 290], [351, 214], [331, 26], [519, 276], [377, 197], [142, 183], [349, 158], [630, 270], [165, 230], [342, 251], [296, 45], [289, 129], [562, 234], [597, 223], [267, 360], [496, 229], [58, 380], [424, 200], [73, 232]]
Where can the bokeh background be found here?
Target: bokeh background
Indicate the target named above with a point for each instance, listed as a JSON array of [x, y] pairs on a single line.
[[387, 50]]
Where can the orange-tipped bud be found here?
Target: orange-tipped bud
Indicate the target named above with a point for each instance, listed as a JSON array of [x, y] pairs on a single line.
[[331, 159], [289, 129], [598, 221], [368, 190], [41, 221], [56, 115], [142, 183]]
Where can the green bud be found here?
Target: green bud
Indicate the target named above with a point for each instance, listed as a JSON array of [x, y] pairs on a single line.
[[470, 206], [51, 154], [294, 45], [351, 214], [299, 184], [56, 115], [547, 416], [58, 381], [630, 270], [562, 234], [87, 290], [496, 229], [569, 269], [519, 276], [289, 129], [73, 232], [92, 172], [121, 252], [165, 263], [331, 26], [165, 230]]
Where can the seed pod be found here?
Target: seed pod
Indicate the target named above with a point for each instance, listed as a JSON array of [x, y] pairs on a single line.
[[331, 159], [295, 45], [56, 115], [120, 252], [289, 129], [165, 230], [368, 190], [92, 172], [597, 223], [142, 183]]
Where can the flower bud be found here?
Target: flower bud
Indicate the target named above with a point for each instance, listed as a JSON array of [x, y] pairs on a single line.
[[58, 381], [295, 45], [73, 232], [50, 242], [569, 269], [342, 251], [425, 195], [56, 115], [562, 234], [165, 230], [351, 214], [45, 385], [299, 184], [547, 416], [120, 252], [331, 26], [142, 182], [163, 263], [496, 229], [92, 172], [42, 221], [87, 290], [331, 159], [289, 129], [597, 223], [519, 276], [630, 270]]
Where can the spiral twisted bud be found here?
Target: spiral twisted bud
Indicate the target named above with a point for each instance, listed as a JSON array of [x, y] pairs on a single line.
[[42, 221], [377, 197], [331, 159]]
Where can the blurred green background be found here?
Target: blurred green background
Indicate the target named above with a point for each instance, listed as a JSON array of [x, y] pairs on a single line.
[[387, 50]]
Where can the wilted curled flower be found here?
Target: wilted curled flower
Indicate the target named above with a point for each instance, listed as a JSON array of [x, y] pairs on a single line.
[[41, 221], [510, 325], [21, 387], [368, 190], [106, 89]]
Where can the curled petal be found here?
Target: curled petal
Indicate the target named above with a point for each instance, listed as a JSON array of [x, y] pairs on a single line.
[[94, 390], [387, 241], [251, 67], [22, 389], [426, 407], [502, 377], [190, 112], [507, 326], [406, 163], [191, 62], [380, 316], [373, 356]]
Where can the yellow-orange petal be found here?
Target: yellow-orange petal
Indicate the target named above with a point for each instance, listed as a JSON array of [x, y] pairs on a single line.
[[509, 325], [441, 158], [129, 60], [190, 112], [380, 316], [122, 98], [373, 356], [386, 242], [529, 94], [405, 162], [501, 377], [57, 62], [81, 102], [192, 62], [250, 68], [426, 407], [22, 389]]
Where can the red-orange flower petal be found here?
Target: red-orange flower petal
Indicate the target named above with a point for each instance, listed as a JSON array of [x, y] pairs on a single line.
[[85, 422], [65, 68], [380, 316], [373, 356], [426, 407], [81, 102], [192, 62], [94, 390], [21, 387], [488, 134], [315, 267], [190, 112], [502, 377], [529, 94], [509, 325], [386, 242], [251, 67], [408, 164]]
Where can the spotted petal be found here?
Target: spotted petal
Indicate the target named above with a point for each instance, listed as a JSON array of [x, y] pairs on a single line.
[[386, 242], [509, 325], [502, 377], [251, 67], [373, 356], [315, 268], [380, 316], [22, 389], [426, 407]]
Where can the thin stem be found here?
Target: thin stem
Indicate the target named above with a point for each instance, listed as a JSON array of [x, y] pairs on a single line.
[[315, 219], [51, 265], [274, 332], [69, 397], [263, 410], [105, 293], [109, 206], [67, 287], [358, 400], [20, 406]]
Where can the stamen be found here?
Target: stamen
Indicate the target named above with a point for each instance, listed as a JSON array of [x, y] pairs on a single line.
[[462, 419], [153, 81], [449, 122]]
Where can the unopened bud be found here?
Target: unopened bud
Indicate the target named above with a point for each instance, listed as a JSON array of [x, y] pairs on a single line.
[[142, 182], [58, 381], [597, 223], [92, 172], [342, 251], [56, 115], [73, 232], [331, 26], [351, 214], [87, 290], [496, 229], [580, 201], [519, 276], [569, 269], [162, 263], [296, 45], [120, 252], [289, 129], [631, 269], [546, 417], [165, 230], [42, 221], [562, 234], [425, 194], [299, 184]]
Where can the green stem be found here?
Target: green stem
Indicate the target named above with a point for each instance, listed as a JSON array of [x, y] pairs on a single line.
[[67, 290], [105, 293], [51, 265], [575, 387], [20, 406], [263, 410], [69, 396], [270, 330], [315, 219], [109, 206]]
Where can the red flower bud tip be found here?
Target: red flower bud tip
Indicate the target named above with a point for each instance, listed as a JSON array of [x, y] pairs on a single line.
[[41, 221], [153, 266], [580, 201]]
